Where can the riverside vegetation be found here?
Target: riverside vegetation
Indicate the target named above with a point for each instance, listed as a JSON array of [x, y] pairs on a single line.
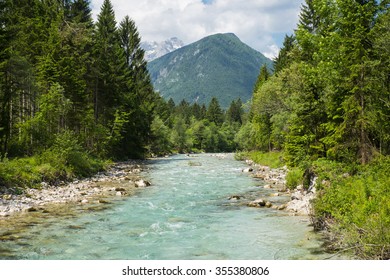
[[75, 94], [327, 107]]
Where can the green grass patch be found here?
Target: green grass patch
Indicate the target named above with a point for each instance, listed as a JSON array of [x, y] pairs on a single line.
[[271, 159], [64, 161]]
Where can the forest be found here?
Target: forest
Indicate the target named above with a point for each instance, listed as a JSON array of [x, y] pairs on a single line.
[[76, 94], [327, 107]]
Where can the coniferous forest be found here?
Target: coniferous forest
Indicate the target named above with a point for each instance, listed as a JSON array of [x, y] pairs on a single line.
[[327, 107], [75, 93]]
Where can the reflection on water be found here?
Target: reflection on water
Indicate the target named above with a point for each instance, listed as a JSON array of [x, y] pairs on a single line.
[[186, 214]]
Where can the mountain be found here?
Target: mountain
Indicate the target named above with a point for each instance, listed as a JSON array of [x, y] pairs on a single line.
[[219, 65], [155, 50]]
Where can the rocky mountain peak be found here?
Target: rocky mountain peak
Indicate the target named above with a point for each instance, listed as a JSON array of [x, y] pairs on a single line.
[[155, 49]]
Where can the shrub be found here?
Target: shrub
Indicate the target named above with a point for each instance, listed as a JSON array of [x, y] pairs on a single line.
[[360, 205], [64, 160], [294, 178]]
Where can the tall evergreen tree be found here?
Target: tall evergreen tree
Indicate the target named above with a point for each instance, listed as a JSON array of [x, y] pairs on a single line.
[[140, 98], [284, 57], [235, 112], [308, 18], [214, 112], [262, 78], [352, 99], [80, 12], [109, 65], [5, 94]]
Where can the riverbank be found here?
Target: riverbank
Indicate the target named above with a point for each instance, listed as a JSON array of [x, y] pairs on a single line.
[[120, 179], [275, 179]]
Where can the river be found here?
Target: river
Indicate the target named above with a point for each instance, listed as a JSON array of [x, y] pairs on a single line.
[[185, 214]]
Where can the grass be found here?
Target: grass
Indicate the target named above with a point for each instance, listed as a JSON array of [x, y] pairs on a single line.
[[272, 159], [21, 173], [64, 161]]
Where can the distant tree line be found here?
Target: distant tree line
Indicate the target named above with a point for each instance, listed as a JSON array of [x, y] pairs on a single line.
[[188, 128]]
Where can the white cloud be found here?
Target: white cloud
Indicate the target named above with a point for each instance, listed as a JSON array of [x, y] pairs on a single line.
[[259, 23]]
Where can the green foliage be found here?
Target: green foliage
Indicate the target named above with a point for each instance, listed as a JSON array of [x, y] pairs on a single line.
[[294, 178], [70, 90], [195, 128], [327, 108], [360, 206], [65, 160], [272, 159], [214, 112], [19, 173], [161, 141], [284, 57], [69, 158], [218, 66]]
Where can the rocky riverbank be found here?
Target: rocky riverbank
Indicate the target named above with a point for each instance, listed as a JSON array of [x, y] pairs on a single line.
[[275, 179], [121, 179]]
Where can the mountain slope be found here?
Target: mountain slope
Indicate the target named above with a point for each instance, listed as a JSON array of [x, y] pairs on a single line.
[[219, 65]]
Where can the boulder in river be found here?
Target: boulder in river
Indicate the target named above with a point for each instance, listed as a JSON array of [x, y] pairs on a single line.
[[142, 183], [247, 170], [257, 203], [234, 197]]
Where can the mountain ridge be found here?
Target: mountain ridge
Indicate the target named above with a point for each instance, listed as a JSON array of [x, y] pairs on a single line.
[[218, 65]]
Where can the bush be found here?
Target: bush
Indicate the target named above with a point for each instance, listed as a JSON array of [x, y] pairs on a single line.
[[294, 178], [19, 173], [360, 206], [69, 158], [63, 161]]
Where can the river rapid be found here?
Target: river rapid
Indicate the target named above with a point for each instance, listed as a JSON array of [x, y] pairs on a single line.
[[186, 214]]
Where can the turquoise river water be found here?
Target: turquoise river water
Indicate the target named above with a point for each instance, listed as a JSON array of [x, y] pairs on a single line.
[[185, 214]]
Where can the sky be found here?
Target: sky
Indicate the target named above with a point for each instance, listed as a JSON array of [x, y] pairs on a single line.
[[262, 24]]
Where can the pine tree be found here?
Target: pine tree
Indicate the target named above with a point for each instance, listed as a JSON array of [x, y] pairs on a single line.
[[351, 102], [235, 112], [139, 98], [214, 112], [5, 94], [308, 18], [75, 63], [109, 65], [262, 78], [284, 57], [80, 12]]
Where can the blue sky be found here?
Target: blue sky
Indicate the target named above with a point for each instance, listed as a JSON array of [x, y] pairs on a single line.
[[262, 24]]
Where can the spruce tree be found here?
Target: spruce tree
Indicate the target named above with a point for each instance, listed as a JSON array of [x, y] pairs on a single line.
[[80, 12], [284, 57], [139, 98], [214, 112], [351, 101], [109, 66]]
